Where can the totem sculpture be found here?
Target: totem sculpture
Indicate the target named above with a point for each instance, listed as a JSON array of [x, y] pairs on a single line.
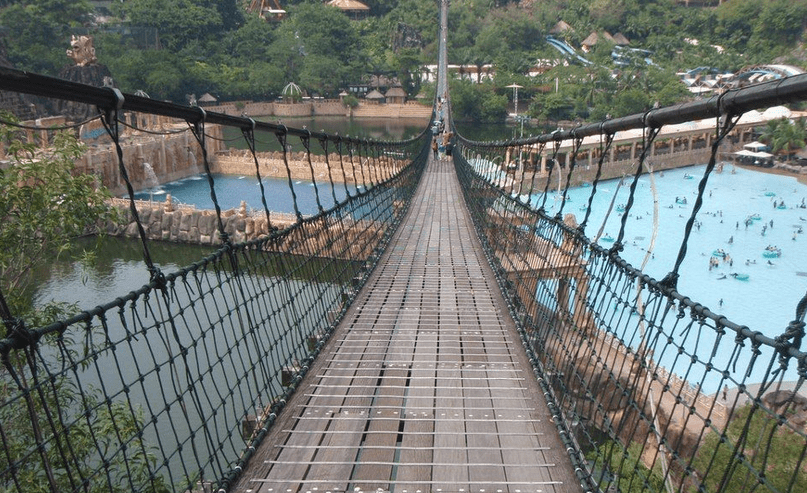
[[82, 52]]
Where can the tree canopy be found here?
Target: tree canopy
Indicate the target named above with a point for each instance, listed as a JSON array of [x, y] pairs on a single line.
[[174, 48]]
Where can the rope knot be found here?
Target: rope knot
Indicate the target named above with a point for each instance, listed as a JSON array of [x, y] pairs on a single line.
[[670, 281], [794, 332], [19, 334]]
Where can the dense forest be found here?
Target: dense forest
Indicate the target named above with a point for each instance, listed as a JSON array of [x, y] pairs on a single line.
[[173, 48]]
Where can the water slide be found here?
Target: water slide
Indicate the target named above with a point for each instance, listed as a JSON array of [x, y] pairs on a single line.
[[567, 50]]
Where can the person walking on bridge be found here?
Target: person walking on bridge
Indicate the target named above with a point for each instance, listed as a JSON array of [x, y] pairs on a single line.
[[447, 144]]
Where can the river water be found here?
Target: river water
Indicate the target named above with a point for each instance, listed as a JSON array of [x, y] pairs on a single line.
[[763, 296], [744, 213]]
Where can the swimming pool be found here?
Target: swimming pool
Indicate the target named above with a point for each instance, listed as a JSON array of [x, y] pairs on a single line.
[[231, 190], [744, 212], [741, 215]]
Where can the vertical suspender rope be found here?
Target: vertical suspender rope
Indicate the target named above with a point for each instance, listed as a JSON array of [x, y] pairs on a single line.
[[323, 143], [372, 172], [110, 120], [609, 139], [306, 140], [555, 150], [352, 164], [249, 136], [648, 136], [535, 167], [576, 143], [523, 172], [198, 130], [342, 167], [491, 171], [378, 157], [729, 121], [281, 137], [357, 144]]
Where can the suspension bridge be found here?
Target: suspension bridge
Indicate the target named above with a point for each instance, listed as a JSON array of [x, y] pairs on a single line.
[[433, 331]]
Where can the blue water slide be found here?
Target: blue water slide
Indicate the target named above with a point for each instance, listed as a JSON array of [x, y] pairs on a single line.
[[567, 50]]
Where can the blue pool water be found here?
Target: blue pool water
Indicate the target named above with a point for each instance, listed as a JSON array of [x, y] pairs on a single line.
[[766, 300], [231, 190], [743, 213]]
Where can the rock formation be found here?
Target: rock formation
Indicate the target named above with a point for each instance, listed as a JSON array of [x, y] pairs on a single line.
[[86, 70]]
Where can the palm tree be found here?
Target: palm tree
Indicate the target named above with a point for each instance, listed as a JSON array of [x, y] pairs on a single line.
[[784, 136]]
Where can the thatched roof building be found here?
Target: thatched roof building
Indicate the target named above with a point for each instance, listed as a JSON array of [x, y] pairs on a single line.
[[395, 95], [353, 8], [374, 95]]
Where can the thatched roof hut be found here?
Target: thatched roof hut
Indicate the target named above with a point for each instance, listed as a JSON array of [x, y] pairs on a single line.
[[560, 28], [395, 95], [374, 95], [353, 8], [595, 38]]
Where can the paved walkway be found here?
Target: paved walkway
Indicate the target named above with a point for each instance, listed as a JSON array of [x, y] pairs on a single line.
[[425, 385]]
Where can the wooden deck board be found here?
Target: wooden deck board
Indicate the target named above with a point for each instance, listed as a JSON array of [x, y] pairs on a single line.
[[424, 386]]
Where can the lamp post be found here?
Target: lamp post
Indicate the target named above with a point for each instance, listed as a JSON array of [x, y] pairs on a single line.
[[515, 87]]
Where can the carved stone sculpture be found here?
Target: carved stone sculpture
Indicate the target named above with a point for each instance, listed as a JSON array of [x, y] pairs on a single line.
[[82, 52]]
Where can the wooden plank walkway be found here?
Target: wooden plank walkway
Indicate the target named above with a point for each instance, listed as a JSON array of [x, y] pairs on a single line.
[[425, 386]]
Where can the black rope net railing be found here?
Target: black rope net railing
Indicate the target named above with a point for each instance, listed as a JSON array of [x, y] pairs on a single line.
[[171, 387], [650, 390]]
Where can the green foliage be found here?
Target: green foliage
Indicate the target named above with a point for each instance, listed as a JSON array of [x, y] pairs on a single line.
[[38, 32], [350, 101], [477, 102], [178, 21], [43, 205], [552, 106], [100, 432], [784, 136], [318, 47], [621, 469], [769, 447]]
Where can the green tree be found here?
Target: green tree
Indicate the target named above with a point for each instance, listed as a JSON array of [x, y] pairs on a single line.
[[178, 21], [37, 33], [314, 33], [405, 63], [784, 136], [44, 205], [477, 102], [552, 106]]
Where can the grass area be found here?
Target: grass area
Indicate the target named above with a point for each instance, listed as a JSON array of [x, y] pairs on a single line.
[[757, 452]]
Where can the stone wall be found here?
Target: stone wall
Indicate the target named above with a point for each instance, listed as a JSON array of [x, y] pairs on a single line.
[[330, 236], [326, 107], [149, 159], [165, 221], [271, 164]]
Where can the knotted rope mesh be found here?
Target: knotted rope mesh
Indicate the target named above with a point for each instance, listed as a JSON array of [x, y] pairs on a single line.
[[171, 387], [635, 372]]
